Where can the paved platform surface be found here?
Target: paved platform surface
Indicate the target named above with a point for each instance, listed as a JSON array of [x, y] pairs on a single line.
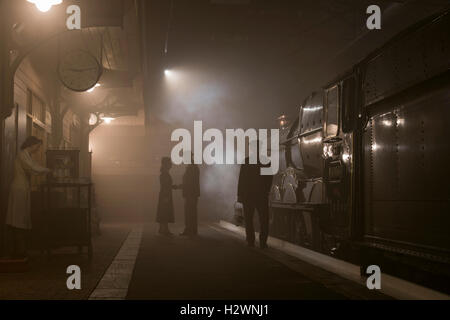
[[215, 265], [46, 279]]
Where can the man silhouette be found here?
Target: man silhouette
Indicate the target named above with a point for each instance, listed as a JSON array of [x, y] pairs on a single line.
[[253, 193], [191, 193]]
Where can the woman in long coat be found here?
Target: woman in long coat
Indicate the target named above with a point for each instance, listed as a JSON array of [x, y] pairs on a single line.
[[18, 216], [165, 212]]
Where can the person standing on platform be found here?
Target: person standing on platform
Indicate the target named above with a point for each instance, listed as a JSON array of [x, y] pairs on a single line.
[[253, 193], [165, 212], [191, 193], [18, 216]]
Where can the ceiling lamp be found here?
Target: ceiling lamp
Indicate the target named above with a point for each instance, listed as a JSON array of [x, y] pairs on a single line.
[[107, 119], [45, 5]]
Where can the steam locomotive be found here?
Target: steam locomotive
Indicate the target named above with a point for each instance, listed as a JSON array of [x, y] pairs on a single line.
[[365, 167]]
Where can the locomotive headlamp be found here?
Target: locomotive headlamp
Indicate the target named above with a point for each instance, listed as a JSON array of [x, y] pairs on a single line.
[[328, 151], [283, 122], [345, 157]]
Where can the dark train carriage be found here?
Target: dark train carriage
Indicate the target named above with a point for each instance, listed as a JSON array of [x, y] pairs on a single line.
[[405, 154], [367, 172]]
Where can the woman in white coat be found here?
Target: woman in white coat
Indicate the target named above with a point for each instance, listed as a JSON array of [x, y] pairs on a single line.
[[18, 216]]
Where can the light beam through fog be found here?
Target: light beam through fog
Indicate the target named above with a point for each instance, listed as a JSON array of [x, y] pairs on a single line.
[[221, 102]]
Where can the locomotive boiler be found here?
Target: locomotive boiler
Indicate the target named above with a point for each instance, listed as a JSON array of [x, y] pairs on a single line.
[[365, 166]]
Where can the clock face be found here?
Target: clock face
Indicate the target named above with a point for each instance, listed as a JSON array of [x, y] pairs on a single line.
[[93, 119], [79, 70]]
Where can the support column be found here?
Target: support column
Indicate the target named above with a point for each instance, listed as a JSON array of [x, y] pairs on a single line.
[[57, 117], [4, 85], [85, 155]]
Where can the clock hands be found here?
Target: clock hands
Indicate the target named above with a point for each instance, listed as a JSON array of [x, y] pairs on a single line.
[[78, 70]]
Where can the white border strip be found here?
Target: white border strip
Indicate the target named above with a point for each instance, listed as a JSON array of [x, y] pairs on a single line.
[[114, 283], [391, 286]]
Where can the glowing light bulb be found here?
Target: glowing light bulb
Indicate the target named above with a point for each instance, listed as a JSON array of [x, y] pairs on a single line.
[[45, 5], [107, 120]]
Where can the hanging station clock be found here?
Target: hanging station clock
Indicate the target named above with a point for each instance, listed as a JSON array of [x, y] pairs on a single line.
[[79, 70]]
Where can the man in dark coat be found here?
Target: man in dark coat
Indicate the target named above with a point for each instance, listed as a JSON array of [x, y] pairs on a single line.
[[253, 193], [191, 193]]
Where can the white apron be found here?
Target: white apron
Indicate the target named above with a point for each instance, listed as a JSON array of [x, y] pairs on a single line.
[[19, 213]]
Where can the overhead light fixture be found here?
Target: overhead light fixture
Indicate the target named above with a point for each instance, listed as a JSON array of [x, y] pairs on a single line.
[[172, 75], [107, 119], [45, 5], [93, 88]]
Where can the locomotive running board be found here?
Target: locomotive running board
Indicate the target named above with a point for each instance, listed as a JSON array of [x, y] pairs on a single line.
[[391, 286]]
